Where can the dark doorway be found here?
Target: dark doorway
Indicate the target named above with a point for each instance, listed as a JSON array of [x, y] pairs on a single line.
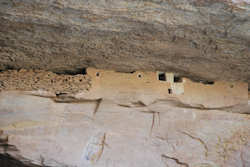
[[170, 91]]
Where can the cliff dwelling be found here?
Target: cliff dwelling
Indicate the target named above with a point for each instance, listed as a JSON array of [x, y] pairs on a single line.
[[142, 83], [148, 87], [48, 106]]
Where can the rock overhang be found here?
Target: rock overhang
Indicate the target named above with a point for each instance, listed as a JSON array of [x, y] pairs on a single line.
[[203, 40]]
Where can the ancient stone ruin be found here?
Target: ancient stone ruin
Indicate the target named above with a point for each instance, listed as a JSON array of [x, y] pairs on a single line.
[[83, 120]]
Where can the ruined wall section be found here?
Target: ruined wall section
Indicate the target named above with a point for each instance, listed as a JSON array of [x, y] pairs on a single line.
[[152, 86], [146, 87], [215, 95], [30, 80], [134, 86]]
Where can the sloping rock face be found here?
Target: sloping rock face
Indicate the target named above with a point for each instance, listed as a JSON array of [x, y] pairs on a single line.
[[39, 131], [202, 39]]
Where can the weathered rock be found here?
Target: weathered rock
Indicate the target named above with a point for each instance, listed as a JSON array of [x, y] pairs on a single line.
[[206, 39], [31, 80], [133, 119], [61, 134], [121, 119]]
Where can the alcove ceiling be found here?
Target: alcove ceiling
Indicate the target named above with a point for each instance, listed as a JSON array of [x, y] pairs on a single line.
[[200, 39]]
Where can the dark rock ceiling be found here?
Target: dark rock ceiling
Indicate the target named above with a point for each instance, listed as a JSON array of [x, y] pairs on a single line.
[[7, 160], [201, 39]]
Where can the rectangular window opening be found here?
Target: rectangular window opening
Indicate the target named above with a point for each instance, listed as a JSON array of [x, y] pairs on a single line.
[[177, 79], [162, 76]]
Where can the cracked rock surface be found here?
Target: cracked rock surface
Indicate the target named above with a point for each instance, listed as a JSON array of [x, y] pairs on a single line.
[[41, 132], [204, 40]]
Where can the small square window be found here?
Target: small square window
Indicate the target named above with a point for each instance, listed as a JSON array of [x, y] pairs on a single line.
[[177, 79], [162, 76]]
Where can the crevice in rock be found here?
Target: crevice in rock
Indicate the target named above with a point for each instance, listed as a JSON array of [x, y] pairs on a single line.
[[98, 104], [199, 140], [82, 71], [208, 82], [128, 72], [176, 160]]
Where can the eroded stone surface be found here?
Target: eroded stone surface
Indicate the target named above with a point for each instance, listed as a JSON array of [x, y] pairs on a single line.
[[31, 80], [107, 118], [201, 39], [61, 134]]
